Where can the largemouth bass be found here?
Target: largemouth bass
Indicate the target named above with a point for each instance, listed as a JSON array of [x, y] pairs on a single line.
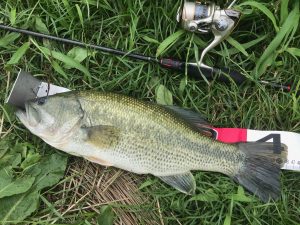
[[147, 138]]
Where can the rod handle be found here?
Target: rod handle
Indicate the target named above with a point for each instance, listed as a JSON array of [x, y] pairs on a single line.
[[222, 75]]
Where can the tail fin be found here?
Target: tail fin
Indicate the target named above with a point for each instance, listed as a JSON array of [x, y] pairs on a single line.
[[260, 171]]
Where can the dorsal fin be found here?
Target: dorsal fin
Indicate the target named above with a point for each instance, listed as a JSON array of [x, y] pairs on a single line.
[[196, 120], [188, 115]]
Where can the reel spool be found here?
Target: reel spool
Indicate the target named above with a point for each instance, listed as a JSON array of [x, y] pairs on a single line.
[[205, 17]]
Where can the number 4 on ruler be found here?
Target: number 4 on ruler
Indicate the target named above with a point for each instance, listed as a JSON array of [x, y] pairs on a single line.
[[276, 142]]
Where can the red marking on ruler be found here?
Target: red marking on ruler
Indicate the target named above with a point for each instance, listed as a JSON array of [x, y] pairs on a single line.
[[231, 135]]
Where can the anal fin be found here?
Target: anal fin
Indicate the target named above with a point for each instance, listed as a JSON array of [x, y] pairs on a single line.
[[183, 182]]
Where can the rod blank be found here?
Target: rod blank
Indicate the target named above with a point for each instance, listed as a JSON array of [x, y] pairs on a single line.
[[78, 43]]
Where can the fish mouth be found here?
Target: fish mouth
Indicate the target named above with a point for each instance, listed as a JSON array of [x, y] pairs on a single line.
[[21, 114], [29, 116]]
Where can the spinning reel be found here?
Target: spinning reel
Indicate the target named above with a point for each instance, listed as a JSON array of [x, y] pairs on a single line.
[[205, 17]]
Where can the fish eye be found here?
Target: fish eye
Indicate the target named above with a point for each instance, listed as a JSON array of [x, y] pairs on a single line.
[[41, 101]]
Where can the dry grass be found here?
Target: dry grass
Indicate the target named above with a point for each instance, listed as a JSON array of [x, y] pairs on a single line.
[[89, 186]]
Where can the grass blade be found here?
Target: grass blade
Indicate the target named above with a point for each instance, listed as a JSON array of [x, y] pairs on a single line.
[[68, 8], [132, 30], [163, 95], [245, 46], [106, 216], [150, 40], [294, 51], [8, 39], [72, 63], [168, 42], [41, 26], [264, 10], [270, 50], [237, 45], [79, 54], [284, 10], [51, 207], [69, 61], [13, 14], [290, 37], [227, 220], [59, 69], [19, 54], [79, 14]]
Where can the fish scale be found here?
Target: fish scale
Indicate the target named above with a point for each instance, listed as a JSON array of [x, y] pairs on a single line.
[[168, 139]]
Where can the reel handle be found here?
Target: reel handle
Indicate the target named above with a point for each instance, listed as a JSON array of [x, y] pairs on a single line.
[[222, 75]]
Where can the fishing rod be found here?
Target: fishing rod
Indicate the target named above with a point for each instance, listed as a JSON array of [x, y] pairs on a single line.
[[197, 17], [192, 68]]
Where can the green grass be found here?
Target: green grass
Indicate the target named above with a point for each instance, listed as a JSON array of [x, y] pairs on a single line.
[[261, 46]]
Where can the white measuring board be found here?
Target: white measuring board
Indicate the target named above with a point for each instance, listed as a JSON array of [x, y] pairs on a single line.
[[290, 139]]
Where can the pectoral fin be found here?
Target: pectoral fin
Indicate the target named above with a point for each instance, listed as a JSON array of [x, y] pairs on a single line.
[[103, 137], [183, 182]]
